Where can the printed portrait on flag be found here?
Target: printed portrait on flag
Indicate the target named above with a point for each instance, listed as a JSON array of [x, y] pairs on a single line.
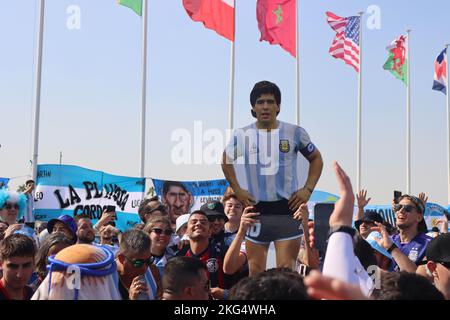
[[73, 190], [182, 197]]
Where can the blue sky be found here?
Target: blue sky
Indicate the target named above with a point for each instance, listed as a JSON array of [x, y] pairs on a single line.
[[90, 105]]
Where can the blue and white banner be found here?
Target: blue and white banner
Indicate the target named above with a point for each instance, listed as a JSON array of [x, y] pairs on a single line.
[[73, 190], [4, 182], [189, 195], [433, 213], [385, 211]]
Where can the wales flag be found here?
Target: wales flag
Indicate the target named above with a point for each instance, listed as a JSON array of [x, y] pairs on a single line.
[[135, 5], [396, 62]]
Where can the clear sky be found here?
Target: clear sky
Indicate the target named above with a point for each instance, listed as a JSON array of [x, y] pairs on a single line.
[[90, 107]]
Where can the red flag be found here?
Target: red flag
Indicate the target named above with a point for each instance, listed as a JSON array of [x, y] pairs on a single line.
[[217, 15], [276, 21]]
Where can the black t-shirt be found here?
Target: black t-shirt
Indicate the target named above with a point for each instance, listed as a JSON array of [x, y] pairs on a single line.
[[4, 295]]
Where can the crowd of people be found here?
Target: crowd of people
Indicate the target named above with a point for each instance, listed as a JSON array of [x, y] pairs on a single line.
[[203, 255], [219, 251]]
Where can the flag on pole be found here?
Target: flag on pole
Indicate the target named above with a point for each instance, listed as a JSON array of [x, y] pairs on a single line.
[[277, 23], [217, 15], [440, 72], [345, 45], [135, 5], [397, 62]]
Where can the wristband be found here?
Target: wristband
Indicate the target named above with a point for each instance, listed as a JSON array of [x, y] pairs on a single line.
[[391, 248], [346, 229], [309, 189]]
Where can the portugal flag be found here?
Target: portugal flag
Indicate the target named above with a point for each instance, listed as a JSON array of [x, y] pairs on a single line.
[[217, 15], [396, 62], [277, 22]]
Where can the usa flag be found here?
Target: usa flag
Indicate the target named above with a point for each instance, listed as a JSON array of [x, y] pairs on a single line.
[[440, 72], [345, 45]]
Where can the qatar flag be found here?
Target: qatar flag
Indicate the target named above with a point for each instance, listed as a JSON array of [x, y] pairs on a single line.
[[217, 15]]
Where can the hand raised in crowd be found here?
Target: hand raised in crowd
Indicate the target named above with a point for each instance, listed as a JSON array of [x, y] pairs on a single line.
[[311, 234], [423, 197], [385, 241], [12, 228], [107, 217], [301, 196], [361, 199], [343, 209], [247, 219], [323, 287], [137, 287], [302, 213], [244, 196]]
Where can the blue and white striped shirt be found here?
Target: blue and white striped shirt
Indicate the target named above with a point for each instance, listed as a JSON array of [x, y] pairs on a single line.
[[269, 158]]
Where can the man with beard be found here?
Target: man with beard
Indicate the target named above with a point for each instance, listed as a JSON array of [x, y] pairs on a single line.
[[85, 230], [177, 199], [408, 247]]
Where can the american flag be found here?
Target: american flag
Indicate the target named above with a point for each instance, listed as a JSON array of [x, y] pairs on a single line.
[[345, 45]]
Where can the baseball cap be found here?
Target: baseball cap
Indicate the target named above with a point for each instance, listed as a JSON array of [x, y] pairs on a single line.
[[214, 208], [181, 221], [67, 220], [438, 249], [369, 216], [374, 244]]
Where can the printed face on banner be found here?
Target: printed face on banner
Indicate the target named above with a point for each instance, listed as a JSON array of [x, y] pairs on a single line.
[[178, 201]]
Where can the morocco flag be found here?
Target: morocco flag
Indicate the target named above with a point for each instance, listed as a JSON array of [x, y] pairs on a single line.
[[396, 62], [277, 23], [217, 15]]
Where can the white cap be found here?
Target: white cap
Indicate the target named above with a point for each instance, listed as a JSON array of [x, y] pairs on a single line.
[[181, 221]]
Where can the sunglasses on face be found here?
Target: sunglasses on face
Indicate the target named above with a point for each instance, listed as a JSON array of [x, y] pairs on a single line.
[[214, 218], [138, 263], [158, 231], [158, 208], [407, 207], [10, 206]]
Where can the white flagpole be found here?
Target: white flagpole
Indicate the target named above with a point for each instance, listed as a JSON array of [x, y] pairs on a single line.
[[231, 97], [37, 91], [297, 65], [448, 126], [358, 157], [144, 86], [408, 116]]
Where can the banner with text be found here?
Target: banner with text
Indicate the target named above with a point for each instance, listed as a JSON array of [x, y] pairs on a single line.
[[73, 190]]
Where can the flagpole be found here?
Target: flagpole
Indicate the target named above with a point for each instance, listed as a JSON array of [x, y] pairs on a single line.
[[408, 116], [37, 92], [448, 126], [231, 97], [297, 65], [358, 159], [144, 86]]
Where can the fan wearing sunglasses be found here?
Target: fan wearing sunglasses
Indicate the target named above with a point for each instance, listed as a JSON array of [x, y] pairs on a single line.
[[138, 277], [160, 232], [411, 242], [150, 208], [12, 205]]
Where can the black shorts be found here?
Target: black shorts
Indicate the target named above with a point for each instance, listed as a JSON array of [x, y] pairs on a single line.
[[277, 223]]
